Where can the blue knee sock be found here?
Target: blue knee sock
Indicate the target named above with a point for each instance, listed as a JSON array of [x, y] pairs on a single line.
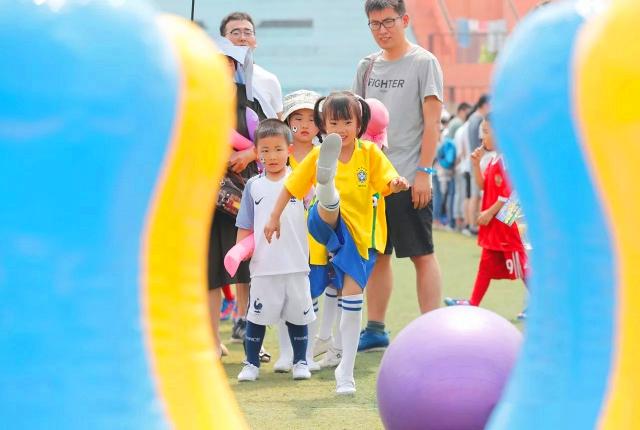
[[299, 336], [253, 338]]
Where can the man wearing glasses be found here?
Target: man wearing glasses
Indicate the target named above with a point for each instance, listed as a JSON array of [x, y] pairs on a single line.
[[239, 29], [408, 80]]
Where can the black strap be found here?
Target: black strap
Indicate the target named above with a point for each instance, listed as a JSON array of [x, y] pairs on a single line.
[[367, 73]]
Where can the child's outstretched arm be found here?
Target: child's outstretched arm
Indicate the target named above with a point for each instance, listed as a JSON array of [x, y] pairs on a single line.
[[273, 225]]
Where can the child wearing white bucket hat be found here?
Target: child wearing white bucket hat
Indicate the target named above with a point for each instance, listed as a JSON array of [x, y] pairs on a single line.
[[298, 114]]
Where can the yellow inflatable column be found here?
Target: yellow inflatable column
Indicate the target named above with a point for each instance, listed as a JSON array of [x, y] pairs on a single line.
[[608, 91], [191, 382]]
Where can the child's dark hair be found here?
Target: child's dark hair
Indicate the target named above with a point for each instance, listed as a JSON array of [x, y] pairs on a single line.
[[342, 105], [273, 127]]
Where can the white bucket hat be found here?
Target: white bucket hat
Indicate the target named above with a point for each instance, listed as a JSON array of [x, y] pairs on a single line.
[[301, 99]]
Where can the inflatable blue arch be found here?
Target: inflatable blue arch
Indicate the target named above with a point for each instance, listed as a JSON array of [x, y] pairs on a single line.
[[113, 131]]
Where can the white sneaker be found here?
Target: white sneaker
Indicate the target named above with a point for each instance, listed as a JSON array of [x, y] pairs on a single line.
[[248, 373], [283, 365], [321, 346], [332, 358], [301, 371], [346, 387], [314, 366]]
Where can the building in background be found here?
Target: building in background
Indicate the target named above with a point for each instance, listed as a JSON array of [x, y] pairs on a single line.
[[307, 44], [317, 44], [466, 36]]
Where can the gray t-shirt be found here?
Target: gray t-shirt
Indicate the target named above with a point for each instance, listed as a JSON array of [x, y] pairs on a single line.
[[402, 86], [474, 131]]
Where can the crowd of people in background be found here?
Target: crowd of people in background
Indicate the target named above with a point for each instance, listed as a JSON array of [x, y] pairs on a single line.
[[362, 203], [456, 197]]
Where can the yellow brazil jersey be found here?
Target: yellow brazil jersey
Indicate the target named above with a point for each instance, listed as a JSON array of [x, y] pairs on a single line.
[[379, 233], [317, 251], [366, 173]]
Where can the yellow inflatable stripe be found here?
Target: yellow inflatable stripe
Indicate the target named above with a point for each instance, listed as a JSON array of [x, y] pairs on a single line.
[[191, 382], [607, 99]]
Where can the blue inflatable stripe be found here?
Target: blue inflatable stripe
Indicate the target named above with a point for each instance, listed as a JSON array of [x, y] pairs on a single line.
[[561, 377], [88, 90]]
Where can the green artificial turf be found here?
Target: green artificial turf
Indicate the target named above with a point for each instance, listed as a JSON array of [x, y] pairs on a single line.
[[275, 401]]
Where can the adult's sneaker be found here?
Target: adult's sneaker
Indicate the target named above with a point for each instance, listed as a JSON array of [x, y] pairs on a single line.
[[226, 309], [449, 301], [320, 346], [522, 315], [283, 365], [331, 358], [248, 373], [314, 366], [238, 330], [371, 341], [301, 371]]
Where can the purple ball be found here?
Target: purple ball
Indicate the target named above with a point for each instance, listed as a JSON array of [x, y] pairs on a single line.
[[446, 370]]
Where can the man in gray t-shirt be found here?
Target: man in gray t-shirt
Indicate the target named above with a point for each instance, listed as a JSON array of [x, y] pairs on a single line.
[[402, 85], [407, 79]]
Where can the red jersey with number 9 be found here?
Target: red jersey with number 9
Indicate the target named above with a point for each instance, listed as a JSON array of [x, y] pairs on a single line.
[[497, 235]]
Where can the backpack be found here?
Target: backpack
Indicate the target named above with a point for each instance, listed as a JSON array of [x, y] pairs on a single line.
[[446, 155]]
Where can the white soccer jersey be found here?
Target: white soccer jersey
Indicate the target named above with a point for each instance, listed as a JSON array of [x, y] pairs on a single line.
[[289, 253]]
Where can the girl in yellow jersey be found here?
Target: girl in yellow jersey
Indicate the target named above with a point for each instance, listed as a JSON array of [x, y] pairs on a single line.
[[298, 114], [346, 172]]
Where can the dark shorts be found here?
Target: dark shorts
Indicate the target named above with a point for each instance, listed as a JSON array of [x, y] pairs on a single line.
[[222, 238], [408, 229]]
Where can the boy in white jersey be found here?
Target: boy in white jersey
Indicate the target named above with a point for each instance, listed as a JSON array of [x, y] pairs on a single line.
[[280, 269]]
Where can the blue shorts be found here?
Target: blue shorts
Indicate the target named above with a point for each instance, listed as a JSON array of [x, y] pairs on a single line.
[[346, 259], [320, 277]]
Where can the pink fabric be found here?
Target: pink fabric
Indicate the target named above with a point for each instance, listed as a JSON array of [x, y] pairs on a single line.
[[239, 142], [240, 252], [377, 127]]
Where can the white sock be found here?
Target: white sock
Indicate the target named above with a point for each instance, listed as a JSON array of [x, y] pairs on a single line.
[[329, 310], [350, 328], [313, 330], [328, 196], [328, 158], [284, 342], [337, 333]]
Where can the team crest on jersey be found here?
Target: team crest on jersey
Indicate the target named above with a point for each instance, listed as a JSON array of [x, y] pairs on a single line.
[[498, 179], [362, 175]]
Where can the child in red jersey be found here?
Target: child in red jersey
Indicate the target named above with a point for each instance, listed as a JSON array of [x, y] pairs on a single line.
[[503, 253]]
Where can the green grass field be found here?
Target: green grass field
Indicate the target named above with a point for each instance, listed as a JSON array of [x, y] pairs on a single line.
[[275, 401]]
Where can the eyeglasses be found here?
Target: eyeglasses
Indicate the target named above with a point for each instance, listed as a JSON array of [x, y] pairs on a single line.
[[241, 32], [386, 23]]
